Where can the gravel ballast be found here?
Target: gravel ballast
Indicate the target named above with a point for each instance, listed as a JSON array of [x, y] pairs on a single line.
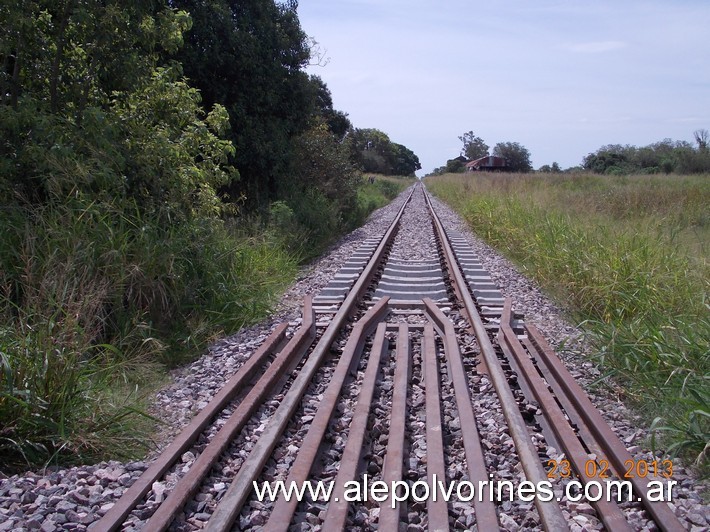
[[74, 498]]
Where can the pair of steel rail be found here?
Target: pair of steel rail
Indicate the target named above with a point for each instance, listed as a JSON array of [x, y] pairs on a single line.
[[540, 367]]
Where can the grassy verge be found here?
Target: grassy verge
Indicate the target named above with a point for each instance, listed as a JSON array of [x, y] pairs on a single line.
[[629, 258], [97, 301], [374, 195], [307, 225]]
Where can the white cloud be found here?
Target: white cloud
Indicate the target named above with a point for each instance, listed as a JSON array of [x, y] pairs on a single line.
[[597, 47]]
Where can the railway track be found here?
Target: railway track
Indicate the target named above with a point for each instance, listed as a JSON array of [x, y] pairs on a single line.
[[407, 372]]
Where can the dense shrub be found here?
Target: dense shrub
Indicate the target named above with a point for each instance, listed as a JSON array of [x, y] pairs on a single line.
[[321, 189], [94, 295], [116, 254], [666, 156]]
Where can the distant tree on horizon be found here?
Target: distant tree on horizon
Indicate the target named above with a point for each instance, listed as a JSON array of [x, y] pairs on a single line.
[[372, 151], [667, 156], [547, 169], [515, 154], [473, 147]]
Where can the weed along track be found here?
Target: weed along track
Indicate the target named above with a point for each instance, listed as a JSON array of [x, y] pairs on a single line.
[[412, 395]]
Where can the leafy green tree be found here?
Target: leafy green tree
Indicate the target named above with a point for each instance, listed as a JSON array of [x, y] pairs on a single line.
[[89, 109], [248, 55], [473, 146], [370, 149], [174, 158], [338, 122], [516, 156], [455, 165], [322, 185], [321, 162], [405, 162], [691, 161], [373, 151], [665, 156], [370, 139], [550, 169], [439, 170], [610, 159], [70, 54]]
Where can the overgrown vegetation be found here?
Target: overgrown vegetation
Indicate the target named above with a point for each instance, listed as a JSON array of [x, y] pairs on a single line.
[[96, 298], [665, 157], [314, 215], [374, 152], [629, 258], [379, 192], [143, 215]]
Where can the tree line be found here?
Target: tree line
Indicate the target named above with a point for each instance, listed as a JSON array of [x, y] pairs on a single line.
[[83, 83], [667, 156], [250, 56]]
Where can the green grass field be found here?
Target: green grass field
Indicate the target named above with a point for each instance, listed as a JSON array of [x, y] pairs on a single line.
[[628, 258]]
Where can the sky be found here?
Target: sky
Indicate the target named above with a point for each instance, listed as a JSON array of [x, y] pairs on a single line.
[[561, 77]]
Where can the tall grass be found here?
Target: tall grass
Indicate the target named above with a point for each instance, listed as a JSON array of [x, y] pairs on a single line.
[[307, 225], [629, 258], [372, 196], [95, 299]]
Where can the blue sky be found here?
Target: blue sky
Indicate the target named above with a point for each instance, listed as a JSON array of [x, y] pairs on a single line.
[[560, 77]]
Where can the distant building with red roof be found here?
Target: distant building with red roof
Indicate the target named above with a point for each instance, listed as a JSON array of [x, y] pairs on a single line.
[[489, 163]]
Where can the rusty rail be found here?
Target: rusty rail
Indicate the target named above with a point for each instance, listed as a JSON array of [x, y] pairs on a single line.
[[562, 382], [394, 457], [133, 495], [283, 509], [595, 433], [550, 513], [283, 363], [239, 489], [486, 518], [435, 466], [338, 507], [227, 510], [190, 483], [608, 512]]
